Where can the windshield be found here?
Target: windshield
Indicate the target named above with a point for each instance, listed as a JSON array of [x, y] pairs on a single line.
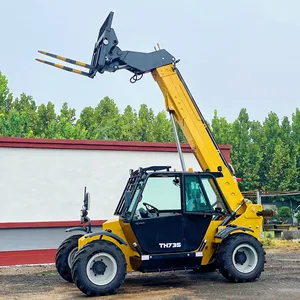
[[162, 192]]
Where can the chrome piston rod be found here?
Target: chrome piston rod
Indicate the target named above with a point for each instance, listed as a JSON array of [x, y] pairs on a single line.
[[177, 141]]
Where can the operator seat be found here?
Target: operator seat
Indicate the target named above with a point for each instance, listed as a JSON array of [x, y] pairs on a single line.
[[143, 212]]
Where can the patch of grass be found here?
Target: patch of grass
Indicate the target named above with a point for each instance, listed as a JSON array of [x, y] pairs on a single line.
[[274, 243], [268, 243]]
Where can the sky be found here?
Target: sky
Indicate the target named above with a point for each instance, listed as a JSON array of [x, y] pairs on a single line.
[[233, 54]]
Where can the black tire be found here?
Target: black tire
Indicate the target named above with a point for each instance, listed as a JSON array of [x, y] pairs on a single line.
[[83, 258], [62, 256], [229, 265]]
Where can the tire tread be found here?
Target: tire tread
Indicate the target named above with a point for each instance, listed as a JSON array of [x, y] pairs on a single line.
[[80, 260], [223, 258], [61, 257]]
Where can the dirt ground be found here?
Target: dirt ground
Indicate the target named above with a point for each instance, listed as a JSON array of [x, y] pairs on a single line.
[[281, 280]]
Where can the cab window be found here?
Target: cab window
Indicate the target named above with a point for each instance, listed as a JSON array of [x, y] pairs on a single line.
[[213, 194], [162, 193], [201, 194], [195, 199]]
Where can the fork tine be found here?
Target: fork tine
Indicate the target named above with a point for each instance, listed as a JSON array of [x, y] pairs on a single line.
[[63, 67], [68, 60]]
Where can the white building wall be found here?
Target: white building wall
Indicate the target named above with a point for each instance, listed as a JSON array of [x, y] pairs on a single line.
[[47, 184]]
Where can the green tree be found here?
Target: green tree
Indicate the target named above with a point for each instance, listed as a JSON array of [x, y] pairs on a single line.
[[65, 130], [129, 125], [145, 124], [27, 110], [67, 114], [107, 118], [221, 129], [271, 132], [281, 172], [6, 97], [255, 156], [295, 137], [241, 141], [3, 125], [296, 126], [286, 132], [88, 122], [25, 103], [14, 124], [46, 120], [162, 128]]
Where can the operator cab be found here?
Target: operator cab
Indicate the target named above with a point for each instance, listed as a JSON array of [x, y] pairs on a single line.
[[174, 207]]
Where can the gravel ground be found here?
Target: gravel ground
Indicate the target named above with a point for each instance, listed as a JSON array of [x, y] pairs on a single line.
[[281, 280]]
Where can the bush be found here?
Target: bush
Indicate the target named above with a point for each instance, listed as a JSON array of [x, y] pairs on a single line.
[[284, 212]]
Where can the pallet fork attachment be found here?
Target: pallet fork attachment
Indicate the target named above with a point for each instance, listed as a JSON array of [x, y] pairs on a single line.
[[107, 56], [68, 60], [61, 66]]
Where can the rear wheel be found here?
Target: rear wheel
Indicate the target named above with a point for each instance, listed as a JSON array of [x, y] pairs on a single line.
[[99, 268], [241, 258], [64, 256]]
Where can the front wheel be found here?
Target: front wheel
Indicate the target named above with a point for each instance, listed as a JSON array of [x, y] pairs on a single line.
[[241, 258], [99, 268], [64, 256]]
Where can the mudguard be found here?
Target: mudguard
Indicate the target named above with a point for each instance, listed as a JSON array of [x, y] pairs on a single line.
[[107, 233], [222, 234], [79, 228]]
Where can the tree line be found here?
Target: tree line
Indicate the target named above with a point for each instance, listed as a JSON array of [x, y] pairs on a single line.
[[22, 117], [265, 154]]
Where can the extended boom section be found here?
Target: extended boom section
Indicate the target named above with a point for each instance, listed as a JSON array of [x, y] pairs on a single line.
[[187, 114]]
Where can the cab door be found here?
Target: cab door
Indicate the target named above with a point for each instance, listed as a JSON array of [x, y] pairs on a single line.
[[161, 230], [201, 197]]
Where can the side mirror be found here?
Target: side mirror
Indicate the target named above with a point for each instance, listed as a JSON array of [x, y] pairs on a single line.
[[85, 207], [86, 201]]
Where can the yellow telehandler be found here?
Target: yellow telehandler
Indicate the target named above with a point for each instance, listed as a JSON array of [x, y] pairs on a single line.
[[165, 219]]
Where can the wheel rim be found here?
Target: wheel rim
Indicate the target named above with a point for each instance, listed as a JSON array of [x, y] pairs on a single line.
[[244, 258], [101, 268], [71, 257]]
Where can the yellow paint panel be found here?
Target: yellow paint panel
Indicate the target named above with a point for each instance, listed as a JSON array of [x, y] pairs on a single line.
[[209, 250], [115, 227]]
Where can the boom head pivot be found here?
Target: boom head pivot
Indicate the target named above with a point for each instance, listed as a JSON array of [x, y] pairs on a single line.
[[108, 57]]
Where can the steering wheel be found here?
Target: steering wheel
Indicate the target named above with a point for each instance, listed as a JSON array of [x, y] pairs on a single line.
[[151, 209]]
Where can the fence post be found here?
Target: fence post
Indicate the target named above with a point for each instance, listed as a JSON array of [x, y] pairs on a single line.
[[258, 197]]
